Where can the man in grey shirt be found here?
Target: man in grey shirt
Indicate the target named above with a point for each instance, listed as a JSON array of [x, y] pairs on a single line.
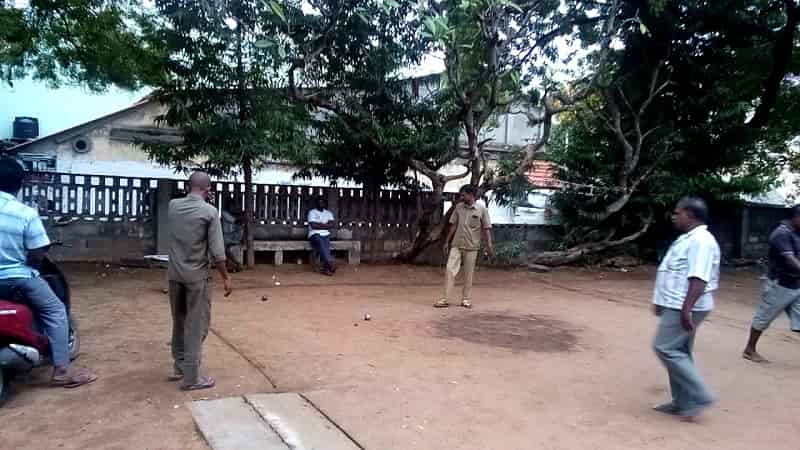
[[195, 236]]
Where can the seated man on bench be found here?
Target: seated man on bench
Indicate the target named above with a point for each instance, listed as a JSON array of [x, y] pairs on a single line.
[[320, 222]]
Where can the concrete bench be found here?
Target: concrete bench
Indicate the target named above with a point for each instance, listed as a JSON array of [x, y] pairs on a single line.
[[353, 249]]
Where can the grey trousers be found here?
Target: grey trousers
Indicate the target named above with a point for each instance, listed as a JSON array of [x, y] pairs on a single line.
[[191, 314], [673, 346]]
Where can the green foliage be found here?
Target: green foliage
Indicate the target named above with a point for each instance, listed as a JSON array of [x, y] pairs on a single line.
[[371, 124], [374, 143], [507, 254], [717, 58], [225, 88], [97, 43], [500, 53]]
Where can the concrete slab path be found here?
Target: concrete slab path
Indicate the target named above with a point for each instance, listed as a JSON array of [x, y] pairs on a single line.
[[232, 424], [268, 422]]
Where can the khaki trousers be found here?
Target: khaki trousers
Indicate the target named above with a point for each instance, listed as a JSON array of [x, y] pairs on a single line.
[[191, 314], [457, 260]]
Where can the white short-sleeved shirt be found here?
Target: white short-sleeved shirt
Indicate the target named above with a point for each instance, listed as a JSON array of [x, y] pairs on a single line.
[[693, 255], [318, 216]]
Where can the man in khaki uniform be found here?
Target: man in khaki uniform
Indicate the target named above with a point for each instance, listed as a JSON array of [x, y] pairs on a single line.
[[195, 236], [468, 223]]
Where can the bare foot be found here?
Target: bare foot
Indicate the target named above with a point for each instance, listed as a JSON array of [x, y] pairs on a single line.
[[753, 355]]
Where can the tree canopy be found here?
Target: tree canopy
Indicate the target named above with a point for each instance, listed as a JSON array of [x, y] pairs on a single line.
[[370, 122], [225, 90], [96, 43], [669, 97], [703, 102]]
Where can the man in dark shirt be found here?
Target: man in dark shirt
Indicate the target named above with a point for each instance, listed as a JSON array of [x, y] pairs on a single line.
[[781, 289]]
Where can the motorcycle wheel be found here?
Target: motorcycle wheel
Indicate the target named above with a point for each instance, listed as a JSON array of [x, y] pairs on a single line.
[[5, 387], [74, 338]]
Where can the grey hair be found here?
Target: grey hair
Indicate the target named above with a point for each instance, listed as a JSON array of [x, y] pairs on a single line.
[[695, 205]]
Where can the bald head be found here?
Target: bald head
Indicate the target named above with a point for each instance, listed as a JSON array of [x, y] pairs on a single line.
[[200, 183], [199, 180]]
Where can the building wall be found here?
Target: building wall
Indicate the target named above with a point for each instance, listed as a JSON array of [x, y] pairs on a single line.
[[108, 156], [757, 224]]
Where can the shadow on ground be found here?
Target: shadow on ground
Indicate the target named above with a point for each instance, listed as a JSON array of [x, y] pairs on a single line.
[[515, 332]]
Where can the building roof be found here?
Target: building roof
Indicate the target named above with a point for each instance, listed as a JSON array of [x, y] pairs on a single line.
[[139, 104], [771, 198], [544, 174]]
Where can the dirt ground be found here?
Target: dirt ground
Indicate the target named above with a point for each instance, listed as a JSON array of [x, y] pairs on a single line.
[[544, 361]]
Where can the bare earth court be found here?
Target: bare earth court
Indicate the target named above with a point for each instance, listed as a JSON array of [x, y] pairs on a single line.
[[543, 361]]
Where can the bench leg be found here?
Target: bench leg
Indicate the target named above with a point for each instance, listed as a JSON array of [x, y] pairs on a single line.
[[278, 257], [354, 257]]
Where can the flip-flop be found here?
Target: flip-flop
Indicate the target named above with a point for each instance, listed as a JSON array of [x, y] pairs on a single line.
[[204, 383], [756, 358], [175, 377], [81, 377]]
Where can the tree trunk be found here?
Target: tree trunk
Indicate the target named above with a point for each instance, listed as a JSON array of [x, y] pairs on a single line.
[[429, 231], [247, 163], [474, 155], [430, 225], [249, 222], [371, 197], [571, 255]]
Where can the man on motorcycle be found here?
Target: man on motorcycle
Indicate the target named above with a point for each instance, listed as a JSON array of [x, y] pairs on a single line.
[[23, 246]]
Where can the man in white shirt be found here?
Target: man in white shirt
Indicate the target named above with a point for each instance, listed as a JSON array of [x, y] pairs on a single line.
[[320, 222], [683, 297]]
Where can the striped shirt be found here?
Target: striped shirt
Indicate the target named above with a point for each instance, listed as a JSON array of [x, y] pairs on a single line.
[[693, 255], [21, 230]]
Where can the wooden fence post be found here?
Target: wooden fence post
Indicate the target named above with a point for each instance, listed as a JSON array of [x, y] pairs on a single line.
[[333, 202]]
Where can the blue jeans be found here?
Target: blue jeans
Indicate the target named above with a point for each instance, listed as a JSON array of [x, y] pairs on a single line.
[[673, 346], [322, 245], [48, 309]]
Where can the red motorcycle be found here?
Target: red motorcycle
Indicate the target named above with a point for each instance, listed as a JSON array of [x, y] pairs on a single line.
[[23, 345]]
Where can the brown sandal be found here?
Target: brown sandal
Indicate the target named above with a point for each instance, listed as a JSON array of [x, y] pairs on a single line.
[[80, 377]]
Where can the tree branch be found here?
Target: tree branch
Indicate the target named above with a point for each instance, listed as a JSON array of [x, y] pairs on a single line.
[[781, 57], [557, 258]]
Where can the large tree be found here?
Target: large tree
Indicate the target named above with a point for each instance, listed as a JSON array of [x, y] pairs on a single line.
[[703, 102], [225, 91], [500, 56], [374, 123]]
